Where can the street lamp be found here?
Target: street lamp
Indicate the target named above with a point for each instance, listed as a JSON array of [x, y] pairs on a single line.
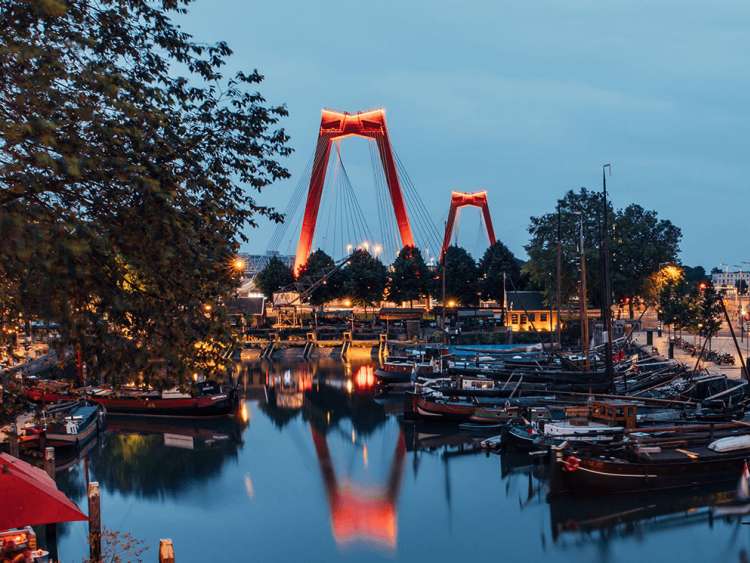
[[239, 265]]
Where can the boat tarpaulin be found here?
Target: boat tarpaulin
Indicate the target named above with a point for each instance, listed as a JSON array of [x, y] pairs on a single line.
[[730, 444]]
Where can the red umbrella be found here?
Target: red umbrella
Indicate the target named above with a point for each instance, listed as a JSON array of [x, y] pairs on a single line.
[[29, 497]]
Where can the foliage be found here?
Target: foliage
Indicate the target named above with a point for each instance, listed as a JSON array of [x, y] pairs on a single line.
[[366, 278], [461, 276], [118, 547], [498, 260], [575, 209], [695, 275], [709, 312], [318, 265], [409, 278], [124, 166], [678, 302], [741, 286], [273, 277], [640, 244]]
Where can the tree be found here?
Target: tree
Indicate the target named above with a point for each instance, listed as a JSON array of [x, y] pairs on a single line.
[[741, 286], [461, 277], [678, 302], [584, 207], [318, 265], [273, 277], [128, 164], [641, 245], [709, 311], [695, 275], [366, 278], [409, 277], [498, 260]]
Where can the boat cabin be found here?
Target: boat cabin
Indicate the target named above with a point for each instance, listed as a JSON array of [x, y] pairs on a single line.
[[614, 413]]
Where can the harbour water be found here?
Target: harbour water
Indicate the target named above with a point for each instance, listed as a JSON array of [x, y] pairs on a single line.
[[315, 468]]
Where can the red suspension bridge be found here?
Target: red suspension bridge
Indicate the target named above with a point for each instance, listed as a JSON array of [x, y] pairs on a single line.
[[332, 217]]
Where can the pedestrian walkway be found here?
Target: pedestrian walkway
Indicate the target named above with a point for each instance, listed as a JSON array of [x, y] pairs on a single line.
[[722, 344]]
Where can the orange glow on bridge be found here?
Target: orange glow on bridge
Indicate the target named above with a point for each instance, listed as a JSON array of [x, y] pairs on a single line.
[[464, 199], [334, 126]]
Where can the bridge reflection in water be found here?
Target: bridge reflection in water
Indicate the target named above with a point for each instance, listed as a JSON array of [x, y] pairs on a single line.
[[357, 512]]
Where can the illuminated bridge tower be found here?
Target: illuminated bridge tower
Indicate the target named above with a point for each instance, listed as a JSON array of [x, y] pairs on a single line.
[[333, 127], [464, 199]]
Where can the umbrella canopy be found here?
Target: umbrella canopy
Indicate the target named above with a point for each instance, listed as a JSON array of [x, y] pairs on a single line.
[[29, 497]]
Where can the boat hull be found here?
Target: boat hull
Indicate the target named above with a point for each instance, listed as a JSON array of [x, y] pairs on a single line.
[[443, 410], [597, 476], [192, 407]]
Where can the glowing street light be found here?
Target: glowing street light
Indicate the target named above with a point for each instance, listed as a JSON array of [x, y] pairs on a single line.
[[239, 265]]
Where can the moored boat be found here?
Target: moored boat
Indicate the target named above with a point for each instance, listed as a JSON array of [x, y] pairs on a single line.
[[73, 425], [207, 400], [676, 463]]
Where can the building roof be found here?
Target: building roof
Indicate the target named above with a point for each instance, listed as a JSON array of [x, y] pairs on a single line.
[[525, 300], [247, 305]]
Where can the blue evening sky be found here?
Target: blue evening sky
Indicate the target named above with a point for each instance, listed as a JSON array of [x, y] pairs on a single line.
[[524, 99]]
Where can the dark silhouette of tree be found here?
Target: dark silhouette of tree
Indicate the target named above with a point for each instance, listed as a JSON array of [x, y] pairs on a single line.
[[461, 277], [678, 303], [641, 244], [585, 206], [498, 260], [366, 278], [317, 266], [741, 286], [695, 275], [273, 277], [128, 166], [709, 311], [409, 278]]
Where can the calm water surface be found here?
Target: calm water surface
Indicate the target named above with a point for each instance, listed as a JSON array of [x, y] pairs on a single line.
[[315, 469]]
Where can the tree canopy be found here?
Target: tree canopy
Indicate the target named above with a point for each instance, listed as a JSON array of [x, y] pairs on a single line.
[[461, 276], [366, 278], [640, 244], [318, 265], [710, 313], [128, 166], [498, 260], [274, 276], [408, 278]]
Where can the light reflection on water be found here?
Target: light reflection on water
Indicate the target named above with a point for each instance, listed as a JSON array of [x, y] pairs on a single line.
[[315, 468]]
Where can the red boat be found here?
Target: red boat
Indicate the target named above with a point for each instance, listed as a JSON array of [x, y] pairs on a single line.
[[49, 392], [444, 409], [208, 400]]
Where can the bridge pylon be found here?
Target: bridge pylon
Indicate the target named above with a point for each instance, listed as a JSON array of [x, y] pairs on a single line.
[[334, 126], [464, 199]]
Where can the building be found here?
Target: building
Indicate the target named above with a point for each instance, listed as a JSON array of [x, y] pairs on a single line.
[[729, 279], [526, 311]]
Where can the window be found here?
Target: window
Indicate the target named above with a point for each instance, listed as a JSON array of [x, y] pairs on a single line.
[[514, 319], [543, 317], [532, 317], [523, 319]]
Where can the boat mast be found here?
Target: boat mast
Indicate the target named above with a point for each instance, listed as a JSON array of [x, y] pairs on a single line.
[[606, 289], [582, 302], [558, 276]]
